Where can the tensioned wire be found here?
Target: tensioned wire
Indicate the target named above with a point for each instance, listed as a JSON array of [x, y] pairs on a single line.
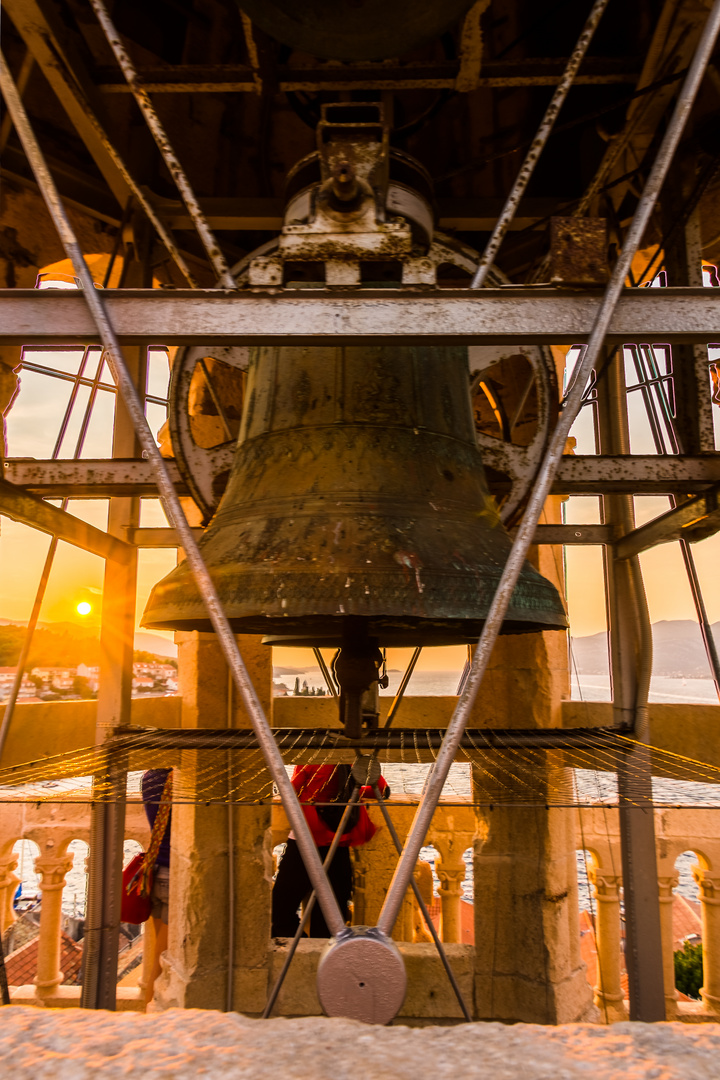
[[482, 775]]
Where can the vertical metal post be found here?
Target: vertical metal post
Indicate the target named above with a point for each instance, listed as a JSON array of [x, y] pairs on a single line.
[[631, 666], [107, 821]]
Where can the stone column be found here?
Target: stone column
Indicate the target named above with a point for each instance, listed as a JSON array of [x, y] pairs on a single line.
[[52, 870], [709, 884], [373, 868], [8, 884], [147, 957], [450, 868], [608, 995], [666, 884]]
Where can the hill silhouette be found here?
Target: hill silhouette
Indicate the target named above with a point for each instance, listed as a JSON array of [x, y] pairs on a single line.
[[57, 645], [678, 650]]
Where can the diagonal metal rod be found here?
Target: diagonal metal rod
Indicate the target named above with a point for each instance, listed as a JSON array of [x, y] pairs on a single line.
[[423, 908], [309, 906], [139, 196], [171, 502], [325, 672], [159, 134], [554, 453], [538, 145], [403, 686]]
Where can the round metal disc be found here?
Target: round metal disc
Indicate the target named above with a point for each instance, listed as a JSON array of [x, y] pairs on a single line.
[[361, 976]]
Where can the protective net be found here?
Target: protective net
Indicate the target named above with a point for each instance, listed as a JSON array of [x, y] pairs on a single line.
[[601, 768]]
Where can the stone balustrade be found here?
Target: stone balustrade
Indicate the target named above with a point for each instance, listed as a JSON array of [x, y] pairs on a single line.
[[52, 827], [454, 829], [677, 831]]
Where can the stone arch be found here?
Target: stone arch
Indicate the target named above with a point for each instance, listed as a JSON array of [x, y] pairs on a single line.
[[75, 891]]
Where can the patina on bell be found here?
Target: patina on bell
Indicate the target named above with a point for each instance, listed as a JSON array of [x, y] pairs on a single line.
[[357, 509]]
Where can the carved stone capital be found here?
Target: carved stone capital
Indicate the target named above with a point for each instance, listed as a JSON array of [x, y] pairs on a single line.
[[606, 885], [52, 870], [708, 883], [666, 884]]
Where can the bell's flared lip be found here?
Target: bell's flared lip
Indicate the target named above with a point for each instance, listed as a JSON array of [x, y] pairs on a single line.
[[390, 631]]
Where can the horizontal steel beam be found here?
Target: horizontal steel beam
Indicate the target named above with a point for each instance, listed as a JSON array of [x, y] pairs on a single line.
[[648, 474], [239, 78], [88, 478], [636, 474], [29, 510], [290, 740], [544, 534], [693, 520], [573, 534], [157, 537], [508, 316], [266, 214]]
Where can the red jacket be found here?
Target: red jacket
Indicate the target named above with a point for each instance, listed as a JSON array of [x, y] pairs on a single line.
[[319, 783]]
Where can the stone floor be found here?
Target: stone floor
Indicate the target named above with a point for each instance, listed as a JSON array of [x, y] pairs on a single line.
[[177, 1045]]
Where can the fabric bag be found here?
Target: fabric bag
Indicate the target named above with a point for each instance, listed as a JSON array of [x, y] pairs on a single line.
[[137, 876]]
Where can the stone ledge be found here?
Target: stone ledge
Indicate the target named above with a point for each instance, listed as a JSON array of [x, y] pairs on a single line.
[[48, 1043], [129, 999], [430, 998]]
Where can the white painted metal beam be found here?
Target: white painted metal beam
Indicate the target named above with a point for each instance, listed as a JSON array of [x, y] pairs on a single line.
[[511, 316]]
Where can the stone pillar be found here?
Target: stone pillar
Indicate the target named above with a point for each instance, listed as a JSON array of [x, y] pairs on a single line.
[[147, 957], [608, 995], [666, 884], [52, 870], [8, 884], [195, 964], [373, 867], [528, 965], [709, 884], [450, 868]]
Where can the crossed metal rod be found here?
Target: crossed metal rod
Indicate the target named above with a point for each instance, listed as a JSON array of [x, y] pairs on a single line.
[[415, 887]]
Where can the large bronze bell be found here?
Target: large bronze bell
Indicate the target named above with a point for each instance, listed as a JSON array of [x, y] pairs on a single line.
[[357, 511]]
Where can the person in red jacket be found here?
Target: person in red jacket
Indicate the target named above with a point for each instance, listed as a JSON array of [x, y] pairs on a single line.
[[316, 785]]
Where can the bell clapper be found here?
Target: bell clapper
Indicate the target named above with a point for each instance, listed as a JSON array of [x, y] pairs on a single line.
[[357, 670]]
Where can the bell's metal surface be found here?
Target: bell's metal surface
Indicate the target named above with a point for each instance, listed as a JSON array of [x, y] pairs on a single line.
[[357, 499]]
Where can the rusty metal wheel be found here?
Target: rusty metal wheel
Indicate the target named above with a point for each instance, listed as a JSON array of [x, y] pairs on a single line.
[[514, 394]]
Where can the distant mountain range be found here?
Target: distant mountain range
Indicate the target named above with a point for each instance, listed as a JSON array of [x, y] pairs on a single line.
[[64, 644], [678, 650]]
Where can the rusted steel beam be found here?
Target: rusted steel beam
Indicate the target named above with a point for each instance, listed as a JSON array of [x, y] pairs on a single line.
[[266, 214], [573, 534], [545, 534], [87, 478], [238, 78], [29, 510], [693, 520], [156, 537], [506, 316], [647, 474], [636, 474]]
